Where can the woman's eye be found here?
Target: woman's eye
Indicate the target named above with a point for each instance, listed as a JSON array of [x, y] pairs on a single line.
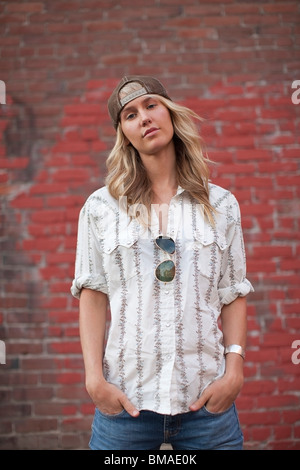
[[150, 106], [130, 116]]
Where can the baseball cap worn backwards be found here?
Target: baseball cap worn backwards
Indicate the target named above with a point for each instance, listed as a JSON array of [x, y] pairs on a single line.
[[147, 85]]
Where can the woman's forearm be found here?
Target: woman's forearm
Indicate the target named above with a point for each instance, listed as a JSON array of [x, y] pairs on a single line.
[[234, 326], [92, 326]]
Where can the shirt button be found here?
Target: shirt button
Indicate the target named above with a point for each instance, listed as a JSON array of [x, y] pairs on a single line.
[[169, 357], [168, 325]]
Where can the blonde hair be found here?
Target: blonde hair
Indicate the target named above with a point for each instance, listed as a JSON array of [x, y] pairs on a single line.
[[127, 175]]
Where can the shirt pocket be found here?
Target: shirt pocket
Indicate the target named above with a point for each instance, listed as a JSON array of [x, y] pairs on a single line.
[[209, 250], [119, 258]]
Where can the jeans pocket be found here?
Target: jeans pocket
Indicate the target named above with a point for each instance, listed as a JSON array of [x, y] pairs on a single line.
[[111, 416], [213, 414]]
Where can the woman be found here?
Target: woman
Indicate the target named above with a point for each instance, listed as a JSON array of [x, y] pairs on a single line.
[[163, 249]]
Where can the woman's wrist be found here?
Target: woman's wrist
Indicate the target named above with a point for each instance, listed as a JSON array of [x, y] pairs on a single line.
[[234, 368]]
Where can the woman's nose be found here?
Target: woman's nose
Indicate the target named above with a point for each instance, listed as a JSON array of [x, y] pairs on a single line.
[[145, 119]]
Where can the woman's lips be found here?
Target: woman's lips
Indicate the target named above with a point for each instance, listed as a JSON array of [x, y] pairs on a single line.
[[149, 131]]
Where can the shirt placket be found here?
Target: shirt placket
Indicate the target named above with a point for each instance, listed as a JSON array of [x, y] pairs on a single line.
[[168, 312]]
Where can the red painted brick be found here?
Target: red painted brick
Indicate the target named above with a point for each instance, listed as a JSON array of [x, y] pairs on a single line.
[[72, 347], [263, 418], [27, 7]]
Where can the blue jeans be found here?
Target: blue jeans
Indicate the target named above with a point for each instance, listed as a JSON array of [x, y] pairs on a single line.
[[195, 430]]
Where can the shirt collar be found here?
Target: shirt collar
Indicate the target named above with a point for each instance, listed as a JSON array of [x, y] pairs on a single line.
[[179, 191]]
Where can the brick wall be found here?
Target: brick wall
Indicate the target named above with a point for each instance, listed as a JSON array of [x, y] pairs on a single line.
[[234, 63]]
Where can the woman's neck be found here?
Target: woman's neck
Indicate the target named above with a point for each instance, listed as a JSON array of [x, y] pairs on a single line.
[[163, 176], [161, 170]]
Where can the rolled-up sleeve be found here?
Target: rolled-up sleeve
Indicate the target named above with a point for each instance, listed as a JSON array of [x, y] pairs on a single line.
[[233, 282], [89, 271]]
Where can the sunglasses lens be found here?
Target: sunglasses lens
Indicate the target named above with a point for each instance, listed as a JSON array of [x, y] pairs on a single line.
[[165, 243], [165, 271]]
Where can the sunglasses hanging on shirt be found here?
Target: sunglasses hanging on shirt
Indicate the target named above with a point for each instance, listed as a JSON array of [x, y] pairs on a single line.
[[165, 271]]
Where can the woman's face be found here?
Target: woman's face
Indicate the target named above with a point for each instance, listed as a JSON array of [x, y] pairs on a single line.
[[147, 125]]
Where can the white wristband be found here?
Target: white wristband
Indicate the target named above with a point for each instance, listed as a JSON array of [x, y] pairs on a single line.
[[235, 348]]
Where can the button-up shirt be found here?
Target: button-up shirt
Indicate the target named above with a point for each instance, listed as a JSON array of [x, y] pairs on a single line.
[[164, 345]]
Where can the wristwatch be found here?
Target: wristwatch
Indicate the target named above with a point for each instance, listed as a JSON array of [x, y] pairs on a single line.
[[235, 348]]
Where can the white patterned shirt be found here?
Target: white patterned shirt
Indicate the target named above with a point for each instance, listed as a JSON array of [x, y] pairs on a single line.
[[164, 344]]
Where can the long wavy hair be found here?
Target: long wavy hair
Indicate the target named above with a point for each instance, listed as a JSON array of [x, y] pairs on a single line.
[[127, 175]]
